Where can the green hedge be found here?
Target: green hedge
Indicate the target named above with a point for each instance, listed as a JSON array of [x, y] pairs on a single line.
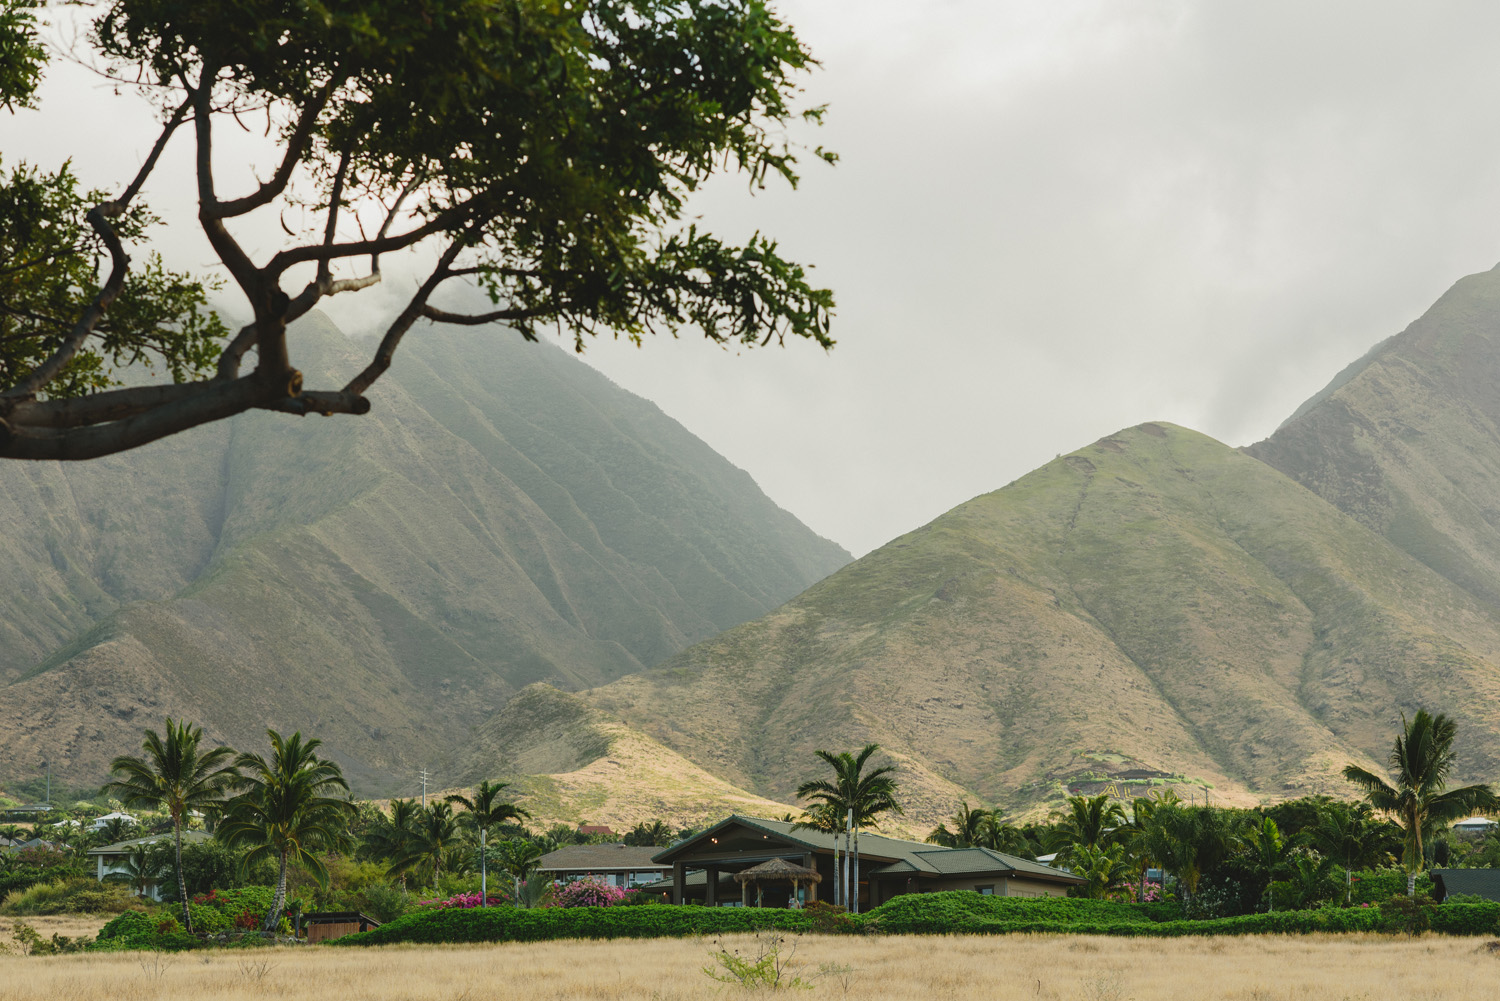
[[961, 911], [511, 924]]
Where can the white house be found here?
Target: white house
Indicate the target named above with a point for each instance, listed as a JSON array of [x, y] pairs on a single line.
[[99, 822], [111, 858]]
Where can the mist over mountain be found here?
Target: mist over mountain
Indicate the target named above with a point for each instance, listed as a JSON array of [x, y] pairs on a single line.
[[505, 515]]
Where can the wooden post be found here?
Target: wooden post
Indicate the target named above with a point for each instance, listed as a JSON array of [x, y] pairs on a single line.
[[711, 897], [679, 879], [745, 894]]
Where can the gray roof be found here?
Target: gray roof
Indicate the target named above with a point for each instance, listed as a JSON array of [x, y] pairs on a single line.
[[121, 847], [1483, 882], [901, 855], [959, 861], [600, 858]]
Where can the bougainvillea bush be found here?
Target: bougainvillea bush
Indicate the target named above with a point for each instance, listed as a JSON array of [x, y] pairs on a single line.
[[591, 892], [464, 900]]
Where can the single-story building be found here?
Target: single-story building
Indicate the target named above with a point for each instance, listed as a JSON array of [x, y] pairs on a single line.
[[111, 858], [1479, 882], [616, 864], [322, 926], [1474, 827], [98, 822], [704, 867]]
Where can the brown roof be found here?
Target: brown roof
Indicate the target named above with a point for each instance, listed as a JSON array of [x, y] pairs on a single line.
[[600, 858], [593, 829], [778, 868]]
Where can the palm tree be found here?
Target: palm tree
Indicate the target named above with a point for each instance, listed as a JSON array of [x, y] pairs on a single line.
[[1136, 832], [862, 797], [997, 834], [968, 828], [1349, 833], [1269, 850], [141, 868], [519, 858], [178, 777], [485, 810], [1420, 800], [654, 835], [290, 810], [828, 818], [435, 831], [1090, 822], [1101, 866]]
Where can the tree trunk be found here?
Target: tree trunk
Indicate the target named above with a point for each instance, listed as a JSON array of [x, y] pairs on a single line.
[[1411, 882], [855, 880], [848, 859], [187, 916], [484, 893], [273, 916], [838, 879]]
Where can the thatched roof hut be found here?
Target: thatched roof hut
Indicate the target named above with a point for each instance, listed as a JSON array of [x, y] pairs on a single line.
[[775, 870]]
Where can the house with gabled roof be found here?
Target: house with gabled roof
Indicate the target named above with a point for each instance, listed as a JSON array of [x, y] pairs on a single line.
[[614, 863], [110, 860], [704, 867]]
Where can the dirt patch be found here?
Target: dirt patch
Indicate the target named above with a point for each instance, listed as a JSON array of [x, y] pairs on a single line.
[[1154, 430]]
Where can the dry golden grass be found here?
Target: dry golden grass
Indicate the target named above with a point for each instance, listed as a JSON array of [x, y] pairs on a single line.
[[69, 925], [1254, 968]]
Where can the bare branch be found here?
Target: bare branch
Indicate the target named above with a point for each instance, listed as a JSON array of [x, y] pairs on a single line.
[[315, 401], [234, 352], [402, 323], [161, 144], [228, 249], [479, 319], [296, 149], [96, 408], [444, 220], [333, 214], [215, 401], [323, 287], [119, 265]]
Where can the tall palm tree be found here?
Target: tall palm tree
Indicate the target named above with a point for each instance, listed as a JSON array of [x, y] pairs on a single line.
[[1349, 833], [967, 831], [1091, 823], [862, 796], [1420, 800], [435, 831], [178, 776], [291, 810], [1001, 836], [485, 810]]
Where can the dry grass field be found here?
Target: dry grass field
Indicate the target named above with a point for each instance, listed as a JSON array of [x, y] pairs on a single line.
[[1025, 968]]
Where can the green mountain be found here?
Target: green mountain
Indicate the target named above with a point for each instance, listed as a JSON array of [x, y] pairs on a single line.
[[1407, 440], [504, 516], [1154, 609]]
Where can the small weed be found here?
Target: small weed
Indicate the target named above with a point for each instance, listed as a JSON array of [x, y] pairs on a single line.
[[770, 969], [1105, 988], [253, 971]]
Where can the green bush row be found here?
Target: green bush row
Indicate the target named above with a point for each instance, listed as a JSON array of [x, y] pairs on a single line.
[[511, 924], [958, 912]]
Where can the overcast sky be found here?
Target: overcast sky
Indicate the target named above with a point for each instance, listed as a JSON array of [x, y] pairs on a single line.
[[1056, 219]]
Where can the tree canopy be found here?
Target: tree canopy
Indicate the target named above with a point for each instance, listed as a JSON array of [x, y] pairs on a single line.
[[542, 150]]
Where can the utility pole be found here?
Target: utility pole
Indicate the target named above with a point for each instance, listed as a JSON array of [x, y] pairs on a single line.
[[424, 788]]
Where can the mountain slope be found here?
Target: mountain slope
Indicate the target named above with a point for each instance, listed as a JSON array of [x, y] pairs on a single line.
[[1409, 442], [505, 515], [1154, 602]]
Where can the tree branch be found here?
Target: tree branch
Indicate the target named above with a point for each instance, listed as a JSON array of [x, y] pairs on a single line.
[[215, 401], [336, 196], [161, 144], [296, 148], [119, 265], [402, 323], [235, 259], [446, 219], [96, 408], [479, 319]]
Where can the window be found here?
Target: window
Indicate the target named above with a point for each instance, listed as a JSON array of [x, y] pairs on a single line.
[[987, 891]]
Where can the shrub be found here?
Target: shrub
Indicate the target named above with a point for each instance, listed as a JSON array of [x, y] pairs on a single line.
[[74, 895], [513, 924], [830, 919], [385, 902], [1371, 886], [590, 892]]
